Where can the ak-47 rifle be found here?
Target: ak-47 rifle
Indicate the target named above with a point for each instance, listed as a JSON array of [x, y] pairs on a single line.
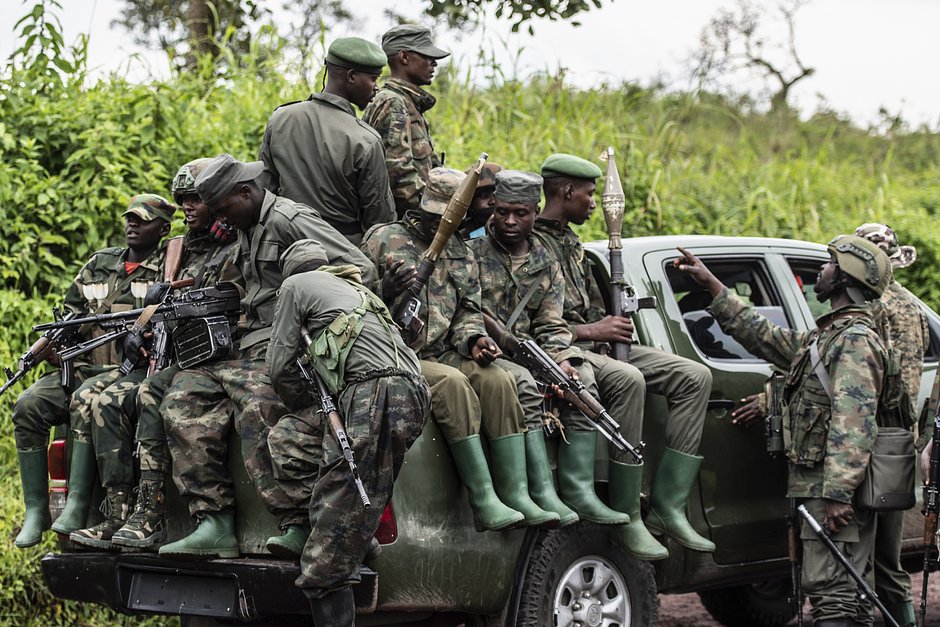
[[623, 298], [158, 356], [931, 508], [328, 407], [864, 590], [53, 340], [530, 356], [453, 216]]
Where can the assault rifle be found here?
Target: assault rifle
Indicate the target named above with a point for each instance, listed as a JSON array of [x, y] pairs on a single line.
[[530, 356], [931, 508], [864, 590], [51, 342], [328, 407], [453, 215]]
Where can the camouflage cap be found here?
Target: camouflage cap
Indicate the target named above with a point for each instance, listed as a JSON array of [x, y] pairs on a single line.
[[887, 240], [411, 37], [149, 207], [355, 53], [561, 164], [487, 174], [185, 180], [517, 187], [221, 174], [442, 184], [299, 253]]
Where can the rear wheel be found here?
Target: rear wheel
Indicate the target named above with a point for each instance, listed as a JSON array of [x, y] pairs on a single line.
[[763, 604]]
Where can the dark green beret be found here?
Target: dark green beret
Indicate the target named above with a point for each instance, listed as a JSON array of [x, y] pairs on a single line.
[[561, 164], [356, 53], [411, 37], [517, 187]]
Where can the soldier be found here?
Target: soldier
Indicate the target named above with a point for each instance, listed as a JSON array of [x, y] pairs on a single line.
[[381, 396], [835, 377], [397, 112], [204, 402], [453, 347], [569, 199], [481, 207], [318, 153], [123, 276]]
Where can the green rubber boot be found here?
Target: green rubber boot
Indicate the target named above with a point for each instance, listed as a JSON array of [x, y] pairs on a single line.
[[670, 492], [290, 544], [576, 480], [489, 513], [213, 538], [82, 470], [625, 482], [903, 613], [507, 455], [541, 482], [34, 475]]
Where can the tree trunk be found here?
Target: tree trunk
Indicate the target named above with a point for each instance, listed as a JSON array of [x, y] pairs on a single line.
[[199, 21]]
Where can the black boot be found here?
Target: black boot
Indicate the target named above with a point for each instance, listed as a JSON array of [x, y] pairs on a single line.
[[334, 609]]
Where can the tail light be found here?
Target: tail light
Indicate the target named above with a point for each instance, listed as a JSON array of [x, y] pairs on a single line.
[[58, 464], [387, 532]]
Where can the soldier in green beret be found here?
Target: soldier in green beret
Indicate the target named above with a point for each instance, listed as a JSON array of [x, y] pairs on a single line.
[[481, 207], [569, 199], [397, 112], [317, 152]]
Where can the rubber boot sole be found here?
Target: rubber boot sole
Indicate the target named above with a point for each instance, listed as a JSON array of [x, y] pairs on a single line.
[[149, 542]]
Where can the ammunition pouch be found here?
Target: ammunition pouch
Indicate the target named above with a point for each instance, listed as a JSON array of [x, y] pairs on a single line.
[[888, 485], [201, 340]]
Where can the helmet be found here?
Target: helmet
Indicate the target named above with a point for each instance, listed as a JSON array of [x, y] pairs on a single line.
[[886, 239], [185, 180], [862, 260]]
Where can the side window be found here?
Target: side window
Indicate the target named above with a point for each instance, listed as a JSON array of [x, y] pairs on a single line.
[[746, 278], [805, 272]]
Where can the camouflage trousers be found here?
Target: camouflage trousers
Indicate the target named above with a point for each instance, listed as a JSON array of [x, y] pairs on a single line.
[[199, 410], [113, 423], [383, 417], [151, 436], [45, 405]]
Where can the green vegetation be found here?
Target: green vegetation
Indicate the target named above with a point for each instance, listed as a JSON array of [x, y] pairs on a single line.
[[73, 152]]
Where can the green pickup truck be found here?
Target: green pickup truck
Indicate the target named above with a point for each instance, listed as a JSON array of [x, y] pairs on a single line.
[[435, 569]]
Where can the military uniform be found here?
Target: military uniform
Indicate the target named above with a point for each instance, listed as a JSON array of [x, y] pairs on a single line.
[[380, 394], [828, 442]]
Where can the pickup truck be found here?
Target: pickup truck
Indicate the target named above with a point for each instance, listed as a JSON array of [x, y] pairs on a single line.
[[435, 569]]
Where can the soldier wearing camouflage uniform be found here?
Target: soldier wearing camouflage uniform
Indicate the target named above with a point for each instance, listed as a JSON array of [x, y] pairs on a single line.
[[121, 277], [830, 432], [569, 199], [203, 403], [397, 112], [453, 347], [318, 153], [381, 396]]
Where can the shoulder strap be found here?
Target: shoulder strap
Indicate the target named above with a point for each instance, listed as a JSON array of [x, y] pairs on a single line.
[[522, 303], [819, 369]]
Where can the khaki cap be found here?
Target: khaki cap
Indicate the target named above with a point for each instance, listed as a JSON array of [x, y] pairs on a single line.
[[411, 37], [223, 173]]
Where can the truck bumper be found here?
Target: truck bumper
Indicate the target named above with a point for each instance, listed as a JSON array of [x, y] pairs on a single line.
[[244, 588]]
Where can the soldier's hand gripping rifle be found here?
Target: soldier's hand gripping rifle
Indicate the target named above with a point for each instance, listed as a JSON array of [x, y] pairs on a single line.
[[453, 215], [143, 328], [332, 415], [931, 508], [530, 356], [864, 590], [623, 298], [52, 340]]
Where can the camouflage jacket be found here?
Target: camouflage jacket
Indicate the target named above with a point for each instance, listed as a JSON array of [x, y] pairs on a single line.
[[318, 153], [828, 441], [907, 328], [583, 297], [503, 290], [204, 257], [255, 266], [397, 113], [450, 307]]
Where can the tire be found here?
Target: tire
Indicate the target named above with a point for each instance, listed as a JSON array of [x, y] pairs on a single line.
[[563, 571], [763, 604]]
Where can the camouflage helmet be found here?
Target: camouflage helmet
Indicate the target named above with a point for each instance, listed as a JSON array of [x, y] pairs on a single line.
[[862, 260], [185, 180]]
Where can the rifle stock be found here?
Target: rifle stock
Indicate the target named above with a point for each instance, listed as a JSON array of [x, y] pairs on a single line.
[[42, 348]]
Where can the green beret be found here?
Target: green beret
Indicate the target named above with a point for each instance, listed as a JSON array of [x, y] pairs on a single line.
[[411, 37], [355, 53], [149, 207], [561, 164], [222, 174], [442, 185], [299, 253], [517, 187]]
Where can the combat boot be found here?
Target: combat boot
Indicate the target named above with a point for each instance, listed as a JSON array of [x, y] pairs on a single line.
[[507, 455], [82, 470], [116, 508], [334, 609], [34, 475], [146, 527], [669, 494], [541, 482], [489, 513], [576, 480], [290, 544], [213, 538], [624, 488]]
